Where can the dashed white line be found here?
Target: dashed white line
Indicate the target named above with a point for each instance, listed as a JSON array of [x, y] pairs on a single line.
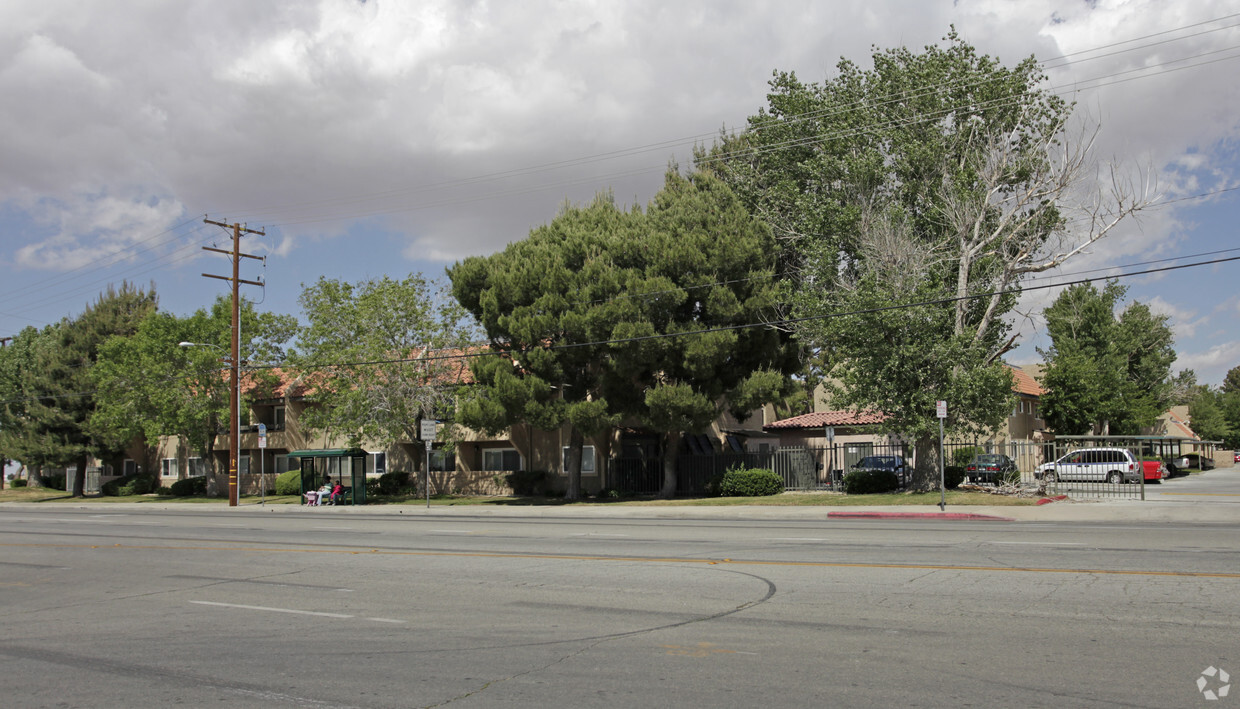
[[596, 534], [273, 610], [1042, 544]]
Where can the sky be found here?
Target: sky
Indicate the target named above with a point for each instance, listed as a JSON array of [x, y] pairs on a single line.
[[383, 138]]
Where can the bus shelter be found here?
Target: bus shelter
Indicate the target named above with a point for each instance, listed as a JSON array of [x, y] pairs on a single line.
[[345, 465]]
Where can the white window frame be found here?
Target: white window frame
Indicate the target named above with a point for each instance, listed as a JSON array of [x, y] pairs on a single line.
[[488, 452], [376, 462], [278, 418], [588, 466], [196, 467], [169, 468]]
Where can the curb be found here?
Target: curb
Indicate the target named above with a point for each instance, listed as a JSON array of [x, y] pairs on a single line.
[[918, 515]]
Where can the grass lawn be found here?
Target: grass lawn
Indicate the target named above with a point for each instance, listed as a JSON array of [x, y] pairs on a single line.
[[787, 499]]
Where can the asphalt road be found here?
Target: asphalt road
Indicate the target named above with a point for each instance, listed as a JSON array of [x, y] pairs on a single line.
[[117, 607]]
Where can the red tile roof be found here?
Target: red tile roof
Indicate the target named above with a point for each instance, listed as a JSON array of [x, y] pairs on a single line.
[[1024, 383], [818, 419]]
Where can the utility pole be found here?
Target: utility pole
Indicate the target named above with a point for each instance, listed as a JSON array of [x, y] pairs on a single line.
[[4, 462], [234, 436]]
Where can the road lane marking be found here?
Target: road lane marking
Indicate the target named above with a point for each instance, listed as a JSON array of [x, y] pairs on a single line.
[[597, 534], [639, 559], [1043, 544], [270, 609], [795, 539]]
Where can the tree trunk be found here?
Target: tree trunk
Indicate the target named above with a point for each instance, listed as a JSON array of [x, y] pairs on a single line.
[[671, 449], [575, 443], [34, 476], [925, 477], [79, 477]]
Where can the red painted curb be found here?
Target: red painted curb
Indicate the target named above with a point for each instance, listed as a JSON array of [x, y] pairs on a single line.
[[1048, 500], [918, 515]]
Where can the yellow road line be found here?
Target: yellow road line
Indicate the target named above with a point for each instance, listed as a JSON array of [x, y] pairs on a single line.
[[658, 560]]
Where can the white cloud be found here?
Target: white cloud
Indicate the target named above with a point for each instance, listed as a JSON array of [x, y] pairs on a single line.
[[1212, 364], [430, 118]]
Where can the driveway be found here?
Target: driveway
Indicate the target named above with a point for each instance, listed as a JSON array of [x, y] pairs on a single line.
[[1217, 485]]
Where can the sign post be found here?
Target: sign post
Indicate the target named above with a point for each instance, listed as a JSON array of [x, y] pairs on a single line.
[[262, 463], [941, 412], [428, 436]]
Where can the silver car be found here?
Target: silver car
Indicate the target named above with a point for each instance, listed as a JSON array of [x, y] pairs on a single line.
[[1114, 465]]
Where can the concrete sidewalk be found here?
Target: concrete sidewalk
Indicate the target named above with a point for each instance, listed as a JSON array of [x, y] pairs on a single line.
[[1198, 509]]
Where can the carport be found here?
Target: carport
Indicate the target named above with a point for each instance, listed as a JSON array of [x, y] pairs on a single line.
[[346, 465]]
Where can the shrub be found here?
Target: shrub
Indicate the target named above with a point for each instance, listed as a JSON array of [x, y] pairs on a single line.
[[190, 486], [289, 483], [20, 482], [394, 483], [129, 485], [55, 482], [756, 482], [526, 482], [865, 482], [953, 475], [961, 457]]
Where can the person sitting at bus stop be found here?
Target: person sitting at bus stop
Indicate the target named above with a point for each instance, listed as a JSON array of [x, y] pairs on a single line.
[[325, 491], [337, 494]]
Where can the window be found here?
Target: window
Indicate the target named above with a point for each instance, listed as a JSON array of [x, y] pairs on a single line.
[[277, 418], [197, 467], [442, 461], [243, 465], [376, 463], [501, 459], [130, 467], [168, 467], [281, 463], [587, 460]]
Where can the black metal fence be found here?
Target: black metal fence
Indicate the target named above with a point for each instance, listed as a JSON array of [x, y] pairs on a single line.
[[823, 468]]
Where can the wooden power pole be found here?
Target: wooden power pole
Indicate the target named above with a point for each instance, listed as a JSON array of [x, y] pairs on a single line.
[[234, 436]]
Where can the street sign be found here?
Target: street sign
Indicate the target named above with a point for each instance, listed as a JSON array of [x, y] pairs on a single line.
[[428, 429], [830, 434], [941, 409], [262, 435]]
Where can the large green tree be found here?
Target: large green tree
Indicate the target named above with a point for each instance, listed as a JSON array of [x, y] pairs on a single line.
[[607, 313], [380, 356], [58, 396], [151, 386], [911, 200], [1105, 373], [19, 435]]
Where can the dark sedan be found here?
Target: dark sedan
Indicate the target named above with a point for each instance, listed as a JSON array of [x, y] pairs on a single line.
[[990, 467], [894, 463]]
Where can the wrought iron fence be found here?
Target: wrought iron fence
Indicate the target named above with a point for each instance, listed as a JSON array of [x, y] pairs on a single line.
[[823, 468]]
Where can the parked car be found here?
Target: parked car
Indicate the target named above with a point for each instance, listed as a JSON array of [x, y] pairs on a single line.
[[894, 463], [1182, 463], [1236, 458], [1155, 471], [990, 467], [1114, 465]]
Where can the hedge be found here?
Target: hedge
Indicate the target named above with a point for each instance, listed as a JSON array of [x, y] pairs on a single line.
[[289, 483], [136, 484], [394, 483], [189, 486], [756, 482], [527, 482]]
